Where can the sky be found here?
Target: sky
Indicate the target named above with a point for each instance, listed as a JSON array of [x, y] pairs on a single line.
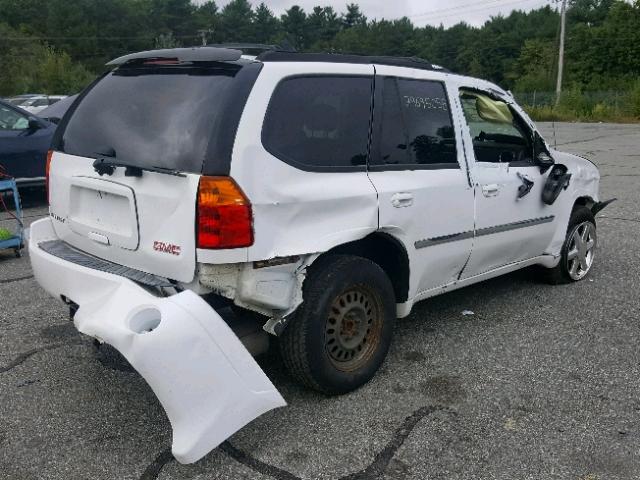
[[420, 12]]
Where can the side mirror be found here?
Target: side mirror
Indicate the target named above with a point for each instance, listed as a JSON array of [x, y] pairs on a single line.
[[544, 160], [34, 124]]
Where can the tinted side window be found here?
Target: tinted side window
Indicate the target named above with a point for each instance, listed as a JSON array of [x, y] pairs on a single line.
[[320, 123], [416, 128]]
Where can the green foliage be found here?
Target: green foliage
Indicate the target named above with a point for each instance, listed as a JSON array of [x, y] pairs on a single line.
[[517, 51], [34, 67], [265, 25], [236, 22], [294, 22]]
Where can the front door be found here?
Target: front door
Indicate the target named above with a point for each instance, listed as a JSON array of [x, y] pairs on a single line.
[[512, 222], [418, 168]]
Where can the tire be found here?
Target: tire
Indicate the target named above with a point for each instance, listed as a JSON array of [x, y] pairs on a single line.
[[569, 269], [340, 334]]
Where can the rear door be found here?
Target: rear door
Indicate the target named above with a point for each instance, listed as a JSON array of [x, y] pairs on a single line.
[[419, 170], [162, 120]]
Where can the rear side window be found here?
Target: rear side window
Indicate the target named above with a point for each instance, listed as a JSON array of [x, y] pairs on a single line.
[[415, 129], [167, 116], [320, 122]]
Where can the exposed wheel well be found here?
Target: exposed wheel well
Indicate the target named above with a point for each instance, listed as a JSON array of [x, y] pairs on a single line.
[[388, 253], [584, 201]]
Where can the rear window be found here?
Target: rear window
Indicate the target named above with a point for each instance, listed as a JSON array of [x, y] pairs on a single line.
[[164, 116], [320, 122]]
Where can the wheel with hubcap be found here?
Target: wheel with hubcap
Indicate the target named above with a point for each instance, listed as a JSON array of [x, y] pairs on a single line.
[[341, 333], [578, 250]]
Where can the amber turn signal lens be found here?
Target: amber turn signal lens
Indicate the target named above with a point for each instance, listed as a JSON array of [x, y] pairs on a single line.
[[224, 217], [47, 169]]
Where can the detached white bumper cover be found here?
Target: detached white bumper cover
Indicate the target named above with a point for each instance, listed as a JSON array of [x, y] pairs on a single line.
[[207, 382]]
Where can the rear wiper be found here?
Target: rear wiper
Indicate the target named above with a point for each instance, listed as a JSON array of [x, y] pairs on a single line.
[[106, 166]]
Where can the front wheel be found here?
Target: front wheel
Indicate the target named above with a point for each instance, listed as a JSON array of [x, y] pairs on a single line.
[[578, 250], [341, 333]]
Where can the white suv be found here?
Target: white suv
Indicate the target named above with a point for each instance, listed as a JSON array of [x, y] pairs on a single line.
[[327, 194]]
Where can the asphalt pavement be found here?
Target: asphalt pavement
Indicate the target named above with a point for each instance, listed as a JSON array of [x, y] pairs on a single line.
[[540, 382]]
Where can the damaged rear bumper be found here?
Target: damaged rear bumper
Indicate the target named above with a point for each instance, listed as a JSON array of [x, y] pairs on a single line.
[[207, 382]]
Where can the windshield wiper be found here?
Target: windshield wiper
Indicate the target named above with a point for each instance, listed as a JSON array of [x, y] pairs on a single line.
[[107, 165]]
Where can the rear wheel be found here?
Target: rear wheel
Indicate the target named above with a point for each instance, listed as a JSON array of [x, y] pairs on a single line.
[[578, 250], [342, 331]]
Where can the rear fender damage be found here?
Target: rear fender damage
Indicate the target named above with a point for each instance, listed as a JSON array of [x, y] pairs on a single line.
[[272, 287]]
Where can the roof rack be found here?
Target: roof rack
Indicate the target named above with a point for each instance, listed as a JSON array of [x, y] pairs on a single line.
[[410, 62], [263, 47]]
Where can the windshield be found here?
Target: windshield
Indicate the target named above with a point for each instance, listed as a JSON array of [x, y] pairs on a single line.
[[152, 115]]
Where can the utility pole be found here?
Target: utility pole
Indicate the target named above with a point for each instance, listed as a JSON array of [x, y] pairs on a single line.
[[563, 27]]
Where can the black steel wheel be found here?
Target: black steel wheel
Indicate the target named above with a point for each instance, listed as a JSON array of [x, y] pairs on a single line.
[[341, 333]]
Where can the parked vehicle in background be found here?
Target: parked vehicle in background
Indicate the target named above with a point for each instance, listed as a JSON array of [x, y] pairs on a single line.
[[55, 112], [37, 104], [24, 141], [322, 194], [18, 99]]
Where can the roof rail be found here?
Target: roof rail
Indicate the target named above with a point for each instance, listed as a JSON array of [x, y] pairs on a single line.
[[255, 46], [410, 62]]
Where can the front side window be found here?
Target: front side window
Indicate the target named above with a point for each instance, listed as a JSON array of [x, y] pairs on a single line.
[[415, 127], [498, 134], [320, 122], [12, 120]]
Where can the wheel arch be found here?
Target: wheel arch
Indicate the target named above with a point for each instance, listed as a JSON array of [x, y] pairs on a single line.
[[585, 201], [387, 252]]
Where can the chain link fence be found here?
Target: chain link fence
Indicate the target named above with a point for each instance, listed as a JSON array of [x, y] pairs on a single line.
[[574, 105]]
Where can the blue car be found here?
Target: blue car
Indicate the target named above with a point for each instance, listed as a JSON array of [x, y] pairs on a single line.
[[24, 141]]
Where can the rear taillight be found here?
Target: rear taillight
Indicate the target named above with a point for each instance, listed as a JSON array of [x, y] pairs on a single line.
[[224, 218], [47, 169]]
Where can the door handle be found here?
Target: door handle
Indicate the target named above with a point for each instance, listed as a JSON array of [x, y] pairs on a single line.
[[401, 200], [490, 190]]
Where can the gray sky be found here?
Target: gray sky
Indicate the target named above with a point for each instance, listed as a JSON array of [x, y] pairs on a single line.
[[421, 12]]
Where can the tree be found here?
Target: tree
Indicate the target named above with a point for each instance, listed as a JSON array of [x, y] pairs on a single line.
[[265, 25], [294, 27], [28, 66], [353, 17], [534, 70], [207, 16], [236, 22], [590, 12]]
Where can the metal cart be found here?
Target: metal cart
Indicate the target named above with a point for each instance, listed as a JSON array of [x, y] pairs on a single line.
[[17, 240]]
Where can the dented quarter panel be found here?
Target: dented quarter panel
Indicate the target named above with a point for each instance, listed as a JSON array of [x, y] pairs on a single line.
[[297, 212]]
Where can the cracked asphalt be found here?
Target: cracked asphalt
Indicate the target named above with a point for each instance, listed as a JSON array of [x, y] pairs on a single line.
[[541, 382]]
